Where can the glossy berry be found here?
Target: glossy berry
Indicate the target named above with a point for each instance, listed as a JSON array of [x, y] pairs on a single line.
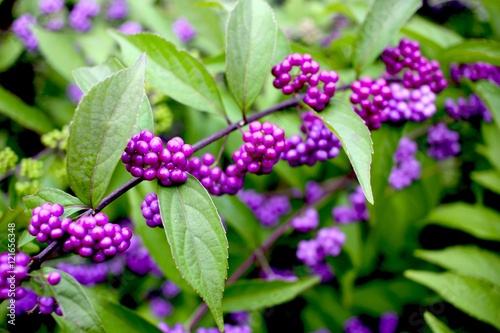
[[410, 104], [117, 10], [319, 144], [54, 278], [419, 70], [183, 30], [13, 269], [470, 109], [355, 325], [406, 168], [475, 72], [262, 148], [443, 142], [370, 100], [151, 211]]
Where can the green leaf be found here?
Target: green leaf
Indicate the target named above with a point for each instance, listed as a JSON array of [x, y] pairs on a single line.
[[259, 294], [466, 260], [10, 49], [355, 138], [75, 304], [384, 20], [492, 8], [479, 221], [472, 50], [103, 123], [27, 116], [478, 298], [197, 238], [489, 179], [117, 318], [490, 94], [251, 41], [58, 50], [175, 73], [431, 33], [154, 240], [86, 77], [435, 324], [52, 195]]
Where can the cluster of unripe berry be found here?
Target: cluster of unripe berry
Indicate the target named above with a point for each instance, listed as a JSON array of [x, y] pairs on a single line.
[[146, 157], [321, 85], [319, 144], [419, 70]]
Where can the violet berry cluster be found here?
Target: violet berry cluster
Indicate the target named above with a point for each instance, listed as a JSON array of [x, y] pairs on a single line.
[[443, 142], [117, 10], [388, 323], [216, 180], [50, 6], [307, 221], [475, 72], [183, 30], [267, 209], [47, 224], [320, 85], [319, 144], [80, 17], [150, 210], [419, 70], [370, 99], [357, 211], [407, 168], [22, 29], [467, 109], [328, 242], [146, 157], [262, 148], [33, 302], [410, 104], [13, 269], [93, 236]]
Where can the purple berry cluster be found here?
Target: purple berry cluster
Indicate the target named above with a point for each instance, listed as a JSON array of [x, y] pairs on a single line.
[[13, 269], [388, 322], [93, 236], [117, 10], [145, 157], [319, 144], [321, 85], [160, 307], [32, 301], [443, 142], [355, 325], [410, 104], [264, 143], [74, 93], [177, 328], [21, 28], [328, 242], [307, 221], [475, 71], [139, 261], [50, 6], [314, 192], [420, 71], [80, 17], [267, 209], [214, 179], [87, 274], [183, 30], [278, 274], [357, 212], [227, 328], [46, 222], [130, 28], [151, 211], [469, 109], [406, 167], [370, 99]]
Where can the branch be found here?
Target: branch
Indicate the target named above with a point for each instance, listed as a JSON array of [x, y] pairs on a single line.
[[268, 243]]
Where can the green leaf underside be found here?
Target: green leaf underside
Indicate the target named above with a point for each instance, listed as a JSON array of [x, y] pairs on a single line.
[[75, 304], [52, 195], [435, 324], [259, 294], [472, 50], [476, 297], [197, 238], [383, 21], [479, 221], [86, 77], [30, 117], [58, 49], [489, 179], [251, 41], [175, 73], [103, 123], [355, 138], [466, 260], [490, 94]]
